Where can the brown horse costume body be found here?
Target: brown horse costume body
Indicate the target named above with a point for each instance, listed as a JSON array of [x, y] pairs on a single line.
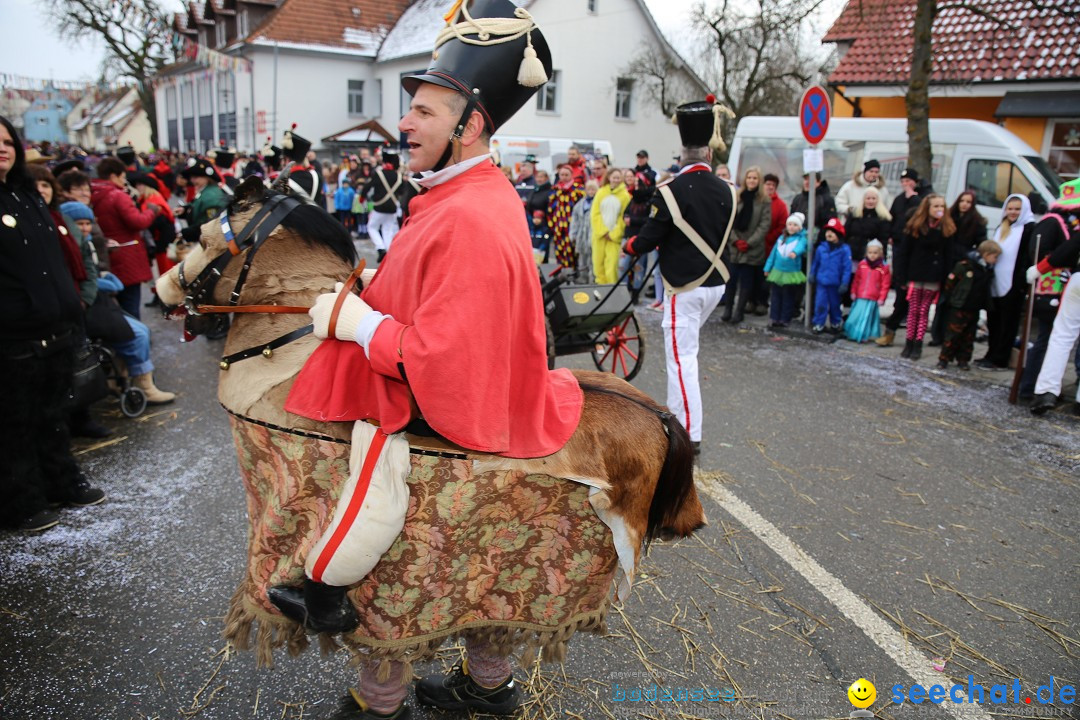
[[635, 458]]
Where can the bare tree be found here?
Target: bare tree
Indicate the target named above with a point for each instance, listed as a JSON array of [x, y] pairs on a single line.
[[759, 56], [664, 77], [136, 37]]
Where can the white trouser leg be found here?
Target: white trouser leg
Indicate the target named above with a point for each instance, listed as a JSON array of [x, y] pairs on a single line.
[[683, 316], [370, 511], [1062, 339], [378, 227]]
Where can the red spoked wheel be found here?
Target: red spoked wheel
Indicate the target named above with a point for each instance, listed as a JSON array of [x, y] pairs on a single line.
[[621, 349]]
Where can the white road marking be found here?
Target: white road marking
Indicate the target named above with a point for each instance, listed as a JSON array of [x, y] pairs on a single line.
[[913, 662]]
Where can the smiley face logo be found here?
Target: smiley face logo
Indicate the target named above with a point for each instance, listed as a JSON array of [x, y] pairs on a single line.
[[862, 693]]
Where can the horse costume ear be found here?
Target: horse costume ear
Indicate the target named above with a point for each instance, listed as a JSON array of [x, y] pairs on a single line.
[[251, 189]]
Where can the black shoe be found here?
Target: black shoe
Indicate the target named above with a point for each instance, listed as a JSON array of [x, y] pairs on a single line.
[[318, 607], [737, 319], [908, 346], [726, 317], [1043, 403], [90, 428], [697, 447], [39, 521], [155, 301], [985, 364], [916, 351], [353, 707], [84, 496], [966, 367], [382, 254], [458, 691], [942, 364], [934, 343]]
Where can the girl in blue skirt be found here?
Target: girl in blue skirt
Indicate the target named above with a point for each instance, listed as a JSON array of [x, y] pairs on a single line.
[[868, 290]]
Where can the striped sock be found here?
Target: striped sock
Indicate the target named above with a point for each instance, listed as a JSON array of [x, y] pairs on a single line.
[[486, 668], [383, 698]]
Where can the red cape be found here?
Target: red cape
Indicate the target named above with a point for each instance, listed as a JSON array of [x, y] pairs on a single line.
[[467, 330]]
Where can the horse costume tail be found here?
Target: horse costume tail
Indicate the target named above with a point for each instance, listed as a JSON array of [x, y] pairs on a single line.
[[674, 484]]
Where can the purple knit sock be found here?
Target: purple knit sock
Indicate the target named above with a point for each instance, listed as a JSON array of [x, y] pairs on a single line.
[[386, 697], [485, 667]]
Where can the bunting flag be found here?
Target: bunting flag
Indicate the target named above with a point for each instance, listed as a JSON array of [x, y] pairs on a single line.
[[11, 81]]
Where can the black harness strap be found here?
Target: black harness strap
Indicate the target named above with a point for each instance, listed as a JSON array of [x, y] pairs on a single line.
[[267, 349]]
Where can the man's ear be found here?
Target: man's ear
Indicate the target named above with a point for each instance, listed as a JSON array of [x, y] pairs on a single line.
[[474, 128]]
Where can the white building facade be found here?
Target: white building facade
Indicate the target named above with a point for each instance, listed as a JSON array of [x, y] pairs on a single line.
[[347, 72]]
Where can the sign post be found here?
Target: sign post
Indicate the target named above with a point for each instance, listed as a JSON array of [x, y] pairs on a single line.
[[814, 114]]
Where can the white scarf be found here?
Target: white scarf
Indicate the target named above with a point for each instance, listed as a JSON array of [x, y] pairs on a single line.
[[1010, 246]]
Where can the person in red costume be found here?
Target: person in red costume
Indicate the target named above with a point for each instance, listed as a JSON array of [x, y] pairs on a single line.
[[427, 340]]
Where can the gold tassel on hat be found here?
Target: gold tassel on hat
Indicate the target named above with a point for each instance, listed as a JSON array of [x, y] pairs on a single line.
[[531, 73], [716, 142]]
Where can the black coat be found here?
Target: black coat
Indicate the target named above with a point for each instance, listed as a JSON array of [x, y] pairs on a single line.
[[38, 298], [860, 230], [706, 203], [925, 256], [824, 205], [902, 209]]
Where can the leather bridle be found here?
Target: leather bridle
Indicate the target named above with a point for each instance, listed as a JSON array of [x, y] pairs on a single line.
[[248, 242]]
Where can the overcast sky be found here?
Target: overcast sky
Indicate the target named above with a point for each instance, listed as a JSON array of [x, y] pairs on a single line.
[[32, 48]]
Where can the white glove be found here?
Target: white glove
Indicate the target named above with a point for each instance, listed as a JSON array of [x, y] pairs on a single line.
[[1032, 275], [357, 322]]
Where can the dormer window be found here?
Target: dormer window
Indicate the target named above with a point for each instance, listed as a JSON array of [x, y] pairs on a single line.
[[219, 28]]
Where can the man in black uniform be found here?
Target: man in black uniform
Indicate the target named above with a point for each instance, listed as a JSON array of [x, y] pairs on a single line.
[[689, 221], [383, 189]]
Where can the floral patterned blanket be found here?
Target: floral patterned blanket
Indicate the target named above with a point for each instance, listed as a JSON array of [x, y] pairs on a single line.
[[519, 561]]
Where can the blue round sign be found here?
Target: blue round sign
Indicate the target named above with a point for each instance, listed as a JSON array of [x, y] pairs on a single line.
[[814, 113]]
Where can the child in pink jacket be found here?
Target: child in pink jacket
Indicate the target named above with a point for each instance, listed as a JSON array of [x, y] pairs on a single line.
[[869, 288]]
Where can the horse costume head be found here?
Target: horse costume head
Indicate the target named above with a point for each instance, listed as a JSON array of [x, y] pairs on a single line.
[[217, 270]]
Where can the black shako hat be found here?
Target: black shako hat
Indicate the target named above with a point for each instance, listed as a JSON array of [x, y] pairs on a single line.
[[271, 155], [699, 123], [293, 146], [126, 154], [492, 52], [224, 158], [201, 167]]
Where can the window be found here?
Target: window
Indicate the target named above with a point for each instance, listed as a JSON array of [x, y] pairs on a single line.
[[170, 104], [220, 34], [590, 6], [375, 104], [356, 97], [187, 107], [994, 180], [624, 92], [547, 98], [242, 24], [1064, 152], [205, 96]]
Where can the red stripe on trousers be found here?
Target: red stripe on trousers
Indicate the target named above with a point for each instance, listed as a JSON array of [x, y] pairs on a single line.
[[675, 350], [359, 493]]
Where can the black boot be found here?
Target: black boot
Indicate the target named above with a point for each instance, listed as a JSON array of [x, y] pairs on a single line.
[[1043, 403], [458, 691], [318, 607], [382, 254], [916, 351], [908, 345], [741, 301]]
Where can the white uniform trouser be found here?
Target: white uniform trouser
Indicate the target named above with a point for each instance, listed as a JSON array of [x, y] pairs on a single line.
[[1062, 339], [382, 227], [684, 314]]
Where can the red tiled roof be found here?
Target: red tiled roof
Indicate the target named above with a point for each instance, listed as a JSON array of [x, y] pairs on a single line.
[[1033, 45], [324, 22]]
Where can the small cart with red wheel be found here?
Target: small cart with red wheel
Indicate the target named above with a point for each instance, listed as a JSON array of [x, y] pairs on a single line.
[[595, 319]]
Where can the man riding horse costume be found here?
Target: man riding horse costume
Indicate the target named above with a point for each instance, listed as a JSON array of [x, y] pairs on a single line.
[[485, 497]]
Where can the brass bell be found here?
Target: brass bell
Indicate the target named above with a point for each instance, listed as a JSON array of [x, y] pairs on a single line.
[[268, 353], [224, 364]]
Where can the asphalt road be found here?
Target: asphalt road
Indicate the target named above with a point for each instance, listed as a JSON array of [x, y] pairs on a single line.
[[868, 518]]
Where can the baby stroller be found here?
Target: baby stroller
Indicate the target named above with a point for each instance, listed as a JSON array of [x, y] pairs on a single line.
[[132, 399]]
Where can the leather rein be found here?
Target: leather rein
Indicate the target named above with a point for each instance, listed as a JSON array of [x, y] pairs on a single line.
[[250, 239]]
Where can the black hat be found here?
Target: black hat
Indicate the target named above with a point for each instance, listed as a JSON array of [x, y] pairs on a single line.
[[699, 123], [224, 158], [293, 146], [271, 154], [642, 153], [530, 158], [71, 164], [870, 164], [126, 154], [910, 174], [499, 75], [201, 167]]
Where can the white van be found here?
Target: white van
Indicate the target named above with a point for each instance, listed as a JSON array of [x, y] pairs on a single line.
[[549, 152], [967, 154]]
